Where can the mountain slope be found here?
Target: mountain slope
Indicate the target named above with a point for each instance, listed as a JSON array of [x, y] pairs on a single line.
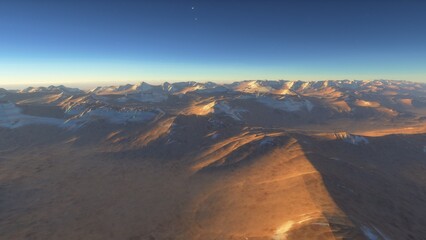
[[249, 160]]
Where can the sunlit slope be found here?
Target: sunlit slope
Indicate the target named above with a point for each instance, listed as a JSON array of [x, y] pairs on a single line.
[[261, 186], [273, 192]]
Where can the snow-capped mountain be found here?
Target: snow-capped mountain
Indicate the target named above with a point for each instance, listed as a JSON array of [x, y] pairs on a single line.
[[259, 103], [246, 160], [53, 89]]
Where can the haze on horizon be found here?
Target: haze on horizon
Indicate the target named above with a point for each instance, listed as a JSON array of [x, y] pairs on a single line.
[[212, 119], [110, 42]]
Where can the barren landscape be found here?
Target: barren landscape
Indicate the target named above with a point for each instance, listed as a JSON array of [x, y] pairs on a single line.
[[248, 160]]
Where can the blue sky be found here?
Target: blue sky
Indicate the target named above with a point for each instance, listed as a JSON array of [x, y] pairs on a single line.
[[111, 42]]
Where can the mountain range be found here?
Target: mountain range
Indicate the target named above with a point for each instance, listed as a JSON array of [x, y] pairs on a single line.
[[247, 160]]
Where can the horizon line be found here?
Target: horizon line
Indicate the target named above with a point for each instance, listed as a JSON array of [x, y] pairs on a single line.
[[91, 85]]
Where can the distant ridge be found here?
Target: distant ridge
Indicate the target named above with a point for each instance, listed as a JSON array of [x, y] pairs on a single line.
[[248, 86]]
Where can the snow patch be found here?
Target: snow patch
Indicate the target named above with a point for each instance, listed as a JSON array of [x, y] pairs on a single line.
[[222, 107], [363, 103], [215, 136], [142, 92], [286, 104], [151, 97], [122, 99], [353, 139], [369, 233], [373, 234], [309, 105], [121, 116], [267, 141], [11, 117], [217, 89], [52, 89], [246, 96]]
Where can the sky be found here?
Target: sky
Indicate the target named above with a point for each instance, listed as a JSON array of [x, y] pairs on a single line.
[[109, 42]]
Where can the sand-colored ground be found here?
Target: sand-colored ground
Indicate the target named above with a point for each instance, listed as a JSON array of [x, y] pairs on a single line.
[[247, 161], [251, 186]]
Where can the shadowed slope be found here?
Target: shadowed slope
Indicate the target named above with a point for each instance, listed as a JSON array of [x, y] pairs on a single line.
[[271, 193], [380, 185]]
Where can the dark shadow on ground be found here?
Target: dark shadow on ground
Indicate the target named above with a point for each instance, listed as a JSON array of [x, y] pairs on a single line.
[[380, 186]]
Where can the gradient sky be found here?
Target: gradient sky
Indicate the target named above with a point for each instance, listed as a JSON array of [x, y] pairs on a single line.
[[112, 42]]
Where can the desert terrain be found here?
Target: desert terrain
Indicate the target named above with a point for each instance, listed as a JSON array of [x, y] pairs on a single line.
[[281, 160]]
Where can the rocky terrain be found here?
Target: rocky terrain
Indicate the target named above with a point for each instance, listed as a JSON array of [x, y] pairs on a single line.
[[247, 160]]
